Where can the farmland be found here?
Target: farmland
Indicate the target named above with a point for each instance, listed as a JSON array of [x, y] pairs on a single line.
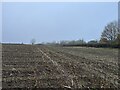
[[40, 66]]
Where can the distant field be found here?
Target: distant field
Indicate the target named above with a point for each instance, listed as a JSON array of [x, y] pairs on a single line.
[[39, 66]]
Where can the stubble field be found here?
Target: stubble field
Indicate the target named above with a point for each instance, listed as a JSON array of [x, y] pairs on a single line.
[[40, 66]]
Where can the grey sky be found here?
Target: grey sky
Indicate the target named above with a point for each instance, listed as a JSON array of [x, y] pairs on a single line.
[[48, 22], [0, 22]]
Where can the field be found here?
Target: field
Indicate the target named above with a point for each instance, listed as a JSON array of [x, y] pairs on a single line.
[[40, 66]]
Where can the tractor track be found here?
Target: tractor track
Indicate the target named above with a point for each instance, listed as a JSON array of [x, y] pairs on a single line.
[[93, 70], [59, 68]]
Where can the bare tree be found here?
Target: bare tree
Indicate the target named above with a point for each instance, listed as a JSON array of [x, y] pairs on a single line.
[[33, 41], [103, 41], [111, 31]]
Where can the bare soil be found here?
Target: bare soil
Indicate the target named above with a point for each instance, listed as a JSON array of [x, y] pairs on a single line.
[[39, 66]]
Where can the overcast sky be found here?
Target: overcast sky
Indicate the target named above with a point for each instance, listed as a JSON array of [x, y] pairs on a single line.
[[48, 22]]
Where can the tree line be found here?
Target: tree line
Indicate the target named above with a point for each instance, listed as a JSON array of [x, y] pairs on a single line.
[[110, 37]]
